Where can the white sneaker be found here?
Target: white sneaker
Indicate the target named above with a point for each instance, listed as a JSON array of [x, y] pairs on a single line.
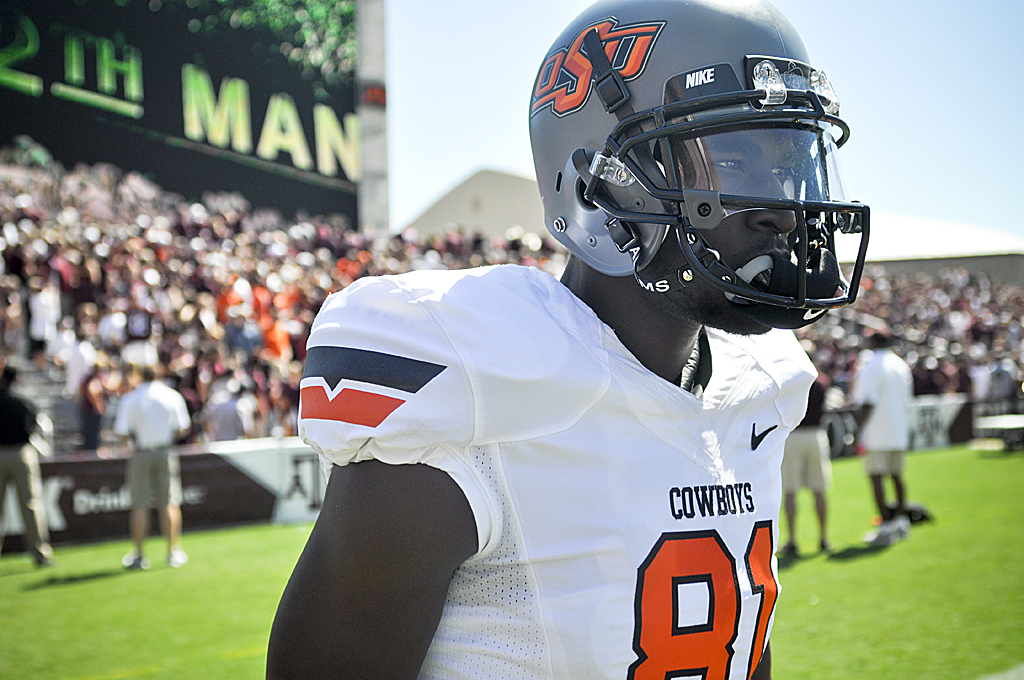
[[177, 558], [134, 560], [901, 528], [884, 535]]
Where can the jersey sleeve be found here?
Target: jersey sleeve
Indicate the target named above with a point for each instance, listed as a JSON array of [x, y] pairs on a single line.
[[422, 367], [380, 379], [398, 364]]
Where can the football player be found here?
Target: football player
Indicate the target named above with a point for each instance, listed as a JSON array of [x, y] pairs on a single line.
[[580, 478]]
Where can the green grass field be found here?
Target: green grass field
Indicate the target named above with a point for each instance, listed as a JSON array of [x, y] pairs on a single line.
[[947, 603]]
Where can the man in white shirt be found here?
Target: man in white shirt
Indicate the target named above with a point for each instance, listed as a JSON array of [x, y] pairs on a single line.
[[884, 390], [152, 417]]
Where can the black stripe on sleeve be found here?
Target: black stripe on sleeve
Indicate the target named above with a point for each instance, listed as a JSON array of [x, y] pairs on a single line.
[[334, 364]]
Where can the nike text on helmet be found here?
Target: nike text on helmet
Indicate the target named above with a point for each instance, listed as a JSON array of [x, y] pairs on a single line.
[[645, 119]]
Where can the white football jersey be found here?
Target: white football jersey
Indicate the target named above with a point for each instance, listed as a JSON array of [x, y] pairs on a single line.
[[626, 527]]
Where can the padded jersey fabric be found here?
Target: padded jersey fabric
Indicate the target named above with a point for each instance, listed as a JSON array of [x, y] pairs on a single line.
[[587, 474]]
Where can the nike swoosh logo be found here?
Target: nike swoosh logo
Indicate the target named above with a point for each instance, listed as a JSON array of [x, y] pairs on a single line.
[[755, 438]]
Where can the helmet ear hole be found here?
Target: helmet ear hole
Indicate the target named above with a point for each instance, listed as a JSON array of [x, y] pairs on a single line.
[[558, 183], [581, 188]]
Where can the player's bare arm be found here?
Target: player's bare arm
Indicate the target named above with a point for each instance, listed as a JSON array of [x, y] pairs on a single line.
[[367, 592]]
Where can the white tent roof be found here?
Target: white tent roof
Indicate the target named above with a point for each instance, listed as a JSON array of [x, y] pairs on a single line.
[[489, 202], [902, 237], [493, 202]]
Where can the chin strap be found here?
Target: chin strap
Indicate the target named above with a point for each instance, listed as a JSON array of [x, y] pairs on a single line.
[[608, 82], [708, 258]]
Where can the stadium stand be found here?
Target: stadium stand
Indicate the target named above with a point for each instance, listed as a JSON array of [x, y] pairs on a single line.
[[218, 291]]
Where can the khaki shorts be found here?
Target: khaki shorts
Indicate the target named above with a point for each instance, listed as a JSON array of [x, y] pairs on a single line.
[[154, 478], [807, 462], [884, 462]]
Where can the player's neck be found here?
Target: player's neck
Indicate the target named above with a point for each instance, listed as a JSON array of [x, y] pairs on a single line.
[[658, 341]]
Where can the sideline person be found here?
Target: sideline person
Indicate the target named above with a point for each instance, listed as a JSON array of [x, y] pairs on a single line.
[[807, 463], [19, 463], [883, 388], [150, 419]]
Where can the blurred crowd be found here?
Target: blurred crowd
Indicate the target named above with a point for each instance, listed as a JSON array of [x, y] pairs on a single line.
[[103, 270], [959, 331]]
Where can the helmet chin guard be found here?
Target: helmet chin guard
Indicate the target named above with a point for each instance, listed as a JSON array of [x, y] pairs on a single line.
[[777, 275], [771, 288]]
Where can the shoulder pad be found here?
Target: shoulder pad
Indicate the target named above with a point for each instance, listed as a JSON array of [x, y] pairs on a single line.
[[778, 353], [396, 365]]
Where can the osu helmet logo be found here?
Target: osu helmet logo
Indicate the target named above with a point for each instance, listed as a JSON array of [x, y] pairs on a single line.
[[564, 81]]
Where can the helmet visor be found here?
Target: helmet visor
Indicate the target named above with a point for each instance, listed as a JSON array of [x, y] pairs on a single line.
[[788, 163]]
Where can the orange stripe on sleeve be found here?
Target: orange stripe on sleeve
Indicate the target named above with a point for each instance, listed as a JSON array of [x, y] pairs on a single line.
[[350, 406]]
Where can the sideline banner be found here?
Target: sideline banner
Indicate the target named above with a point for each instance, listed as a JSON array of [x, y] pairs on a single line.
[[940, 420], [936, 421], [280, 479], [223, 483]]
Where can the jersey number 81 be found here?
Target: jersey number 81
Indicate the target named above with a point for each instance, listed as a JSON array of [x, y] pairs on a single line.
[[666, 649]]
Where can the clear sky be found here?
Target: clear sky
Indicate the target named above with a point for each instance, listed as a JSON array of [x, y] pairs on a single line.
[[927, 86]]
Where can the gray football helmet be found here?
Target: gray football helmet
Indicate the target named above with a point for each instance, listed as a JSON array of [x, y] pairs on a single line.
[[648, 117]]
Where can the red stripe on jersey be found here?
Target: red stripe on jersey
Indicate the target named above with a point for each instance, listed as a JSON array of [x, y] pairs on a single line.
[[350, 406]]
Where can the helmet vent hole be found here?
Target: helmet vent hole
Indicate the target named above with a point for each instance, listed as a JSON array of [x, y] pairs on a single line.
[[558, 183]]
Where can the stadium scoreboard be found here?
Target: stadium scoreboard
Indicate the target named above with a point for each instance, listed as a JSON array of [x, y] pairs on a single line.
[[197, 95]]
